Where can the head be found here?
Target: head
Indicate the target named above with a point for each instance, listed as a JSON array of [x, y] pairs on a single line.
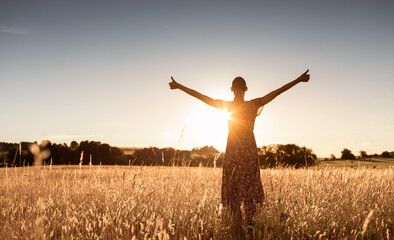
[[239, 87]]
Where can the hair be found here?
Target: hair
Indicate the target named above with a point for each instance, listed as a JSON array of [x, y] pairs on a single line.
[[239, 83]]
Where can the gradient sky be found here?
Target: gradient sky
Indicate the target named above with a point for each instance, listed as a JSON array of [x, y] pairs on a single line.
[[99, 70]]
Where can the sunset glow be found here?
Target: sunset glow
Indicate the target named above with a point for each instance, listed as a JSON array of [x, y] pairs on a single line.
[[207, 126]]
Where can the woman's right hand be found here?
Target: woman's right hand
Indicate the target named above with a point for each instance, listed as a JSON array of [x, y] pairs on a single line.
[[304, 77], [173, 84]]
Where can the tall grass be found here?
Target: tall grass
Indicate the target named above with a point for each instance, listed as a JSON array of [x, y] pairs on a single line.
[[184, 203]]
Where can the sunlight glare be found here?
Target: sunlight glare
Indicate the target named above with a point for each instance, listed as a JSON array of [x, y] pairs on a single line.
[[207, 126], [224, 114]]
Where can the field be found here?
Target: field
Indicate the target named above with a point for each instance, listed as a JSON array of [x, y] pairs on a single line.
[[367, 163], [100, 202]]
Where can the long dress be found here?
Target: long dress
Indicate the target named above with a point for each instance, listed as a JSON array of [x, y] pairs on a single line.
[[241, 181]]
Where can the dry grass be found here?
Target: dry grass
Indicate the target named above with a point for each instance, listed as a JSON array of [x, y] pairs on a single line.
[[178, 203]]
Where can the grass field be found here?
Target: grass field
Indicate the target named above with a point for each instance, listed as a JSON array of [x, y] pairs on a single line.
[[367, 163], [184, 203]]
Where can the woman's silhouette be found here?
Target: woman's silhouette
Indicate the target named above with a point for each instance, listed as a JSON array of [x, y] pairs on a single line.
[[241, 171]]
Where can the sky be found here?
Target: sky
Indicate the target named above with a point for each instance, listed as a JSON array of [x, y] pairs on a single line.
[[99, 70]]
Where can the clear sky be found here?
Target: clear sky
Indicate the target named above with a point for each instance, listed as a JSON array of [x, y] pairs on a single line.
[[99, 70]]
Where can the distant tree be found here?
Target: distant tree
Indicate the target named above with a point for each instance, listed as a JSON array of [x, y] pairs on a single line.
[[13, 156], [102, 154], [363, 154], [74, 145], [118, 156], [267, 155], [5, 147], [2, 159], [62, 154], [286, 155], [347, 154], [385, 154], [153, 156], [333, 157], [205, 150]]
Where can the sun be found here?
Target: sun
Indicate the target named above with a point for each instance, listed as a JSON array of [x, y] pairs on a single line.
[[225, 115], [207, 126]]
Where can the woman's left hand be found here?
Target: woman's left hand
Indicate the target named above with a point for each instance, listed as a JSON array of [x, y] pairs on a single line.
[[173, 84]]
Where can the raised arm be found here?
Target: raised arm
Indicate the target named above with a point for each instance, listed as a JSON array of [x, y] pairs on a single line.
[[270, 96], [175, 85]]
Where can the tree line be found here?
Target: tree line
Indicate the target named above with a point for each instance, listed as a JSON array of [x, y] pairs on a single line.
[[207, 156], [60, 154], [347, 154], [95, 153]]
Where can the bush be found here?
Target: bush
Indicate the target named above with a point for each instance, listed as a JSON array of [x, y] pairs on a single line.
[[347, 154], [385, 154]]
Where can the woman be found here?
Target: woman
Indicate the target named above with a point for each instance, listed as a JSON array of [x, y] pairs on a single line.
[[241, 182]]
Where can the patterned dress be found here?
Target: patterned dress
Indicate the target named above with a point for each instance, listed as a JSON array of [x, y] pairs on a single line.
[[241, 181]]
